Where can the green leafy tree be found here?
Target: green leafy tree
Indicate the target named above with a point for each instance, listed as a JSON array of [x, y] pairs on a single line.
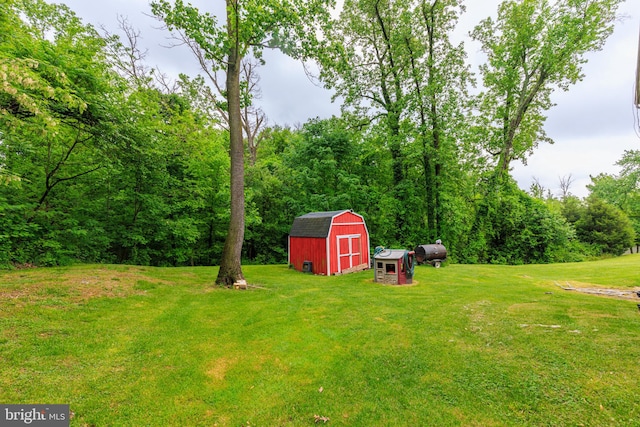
[[34, 83], [251, 25], [400, 75], [605, 227], [55, 98], [439, 79], [533, 48], [164, 192], [157, 192], [630, 177], [325, 166], [572, 209], [273, 197], [622, 191], [105, 166], [369, 68], [520, 229]]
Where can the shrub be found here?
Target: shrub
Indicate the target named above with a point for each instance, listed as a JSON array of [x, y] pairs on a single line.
[[605, 227]]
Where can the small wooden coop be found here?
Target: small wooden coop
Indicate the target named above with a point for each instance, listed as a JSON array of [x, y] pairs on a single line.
[[327, 243], [393, 266]]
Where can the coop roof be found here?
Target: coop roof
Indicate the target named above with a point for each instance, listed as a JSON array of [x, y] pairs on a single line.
[[314, 224], [390, 254]]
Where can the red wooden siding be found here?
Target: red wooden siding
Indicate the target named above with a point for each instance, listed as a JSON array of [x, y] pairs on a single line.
[[312, 249]]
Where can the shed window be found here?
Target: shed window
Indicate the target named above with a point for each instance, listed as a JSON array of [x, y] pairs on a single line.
[[379, 265], [391, 268]]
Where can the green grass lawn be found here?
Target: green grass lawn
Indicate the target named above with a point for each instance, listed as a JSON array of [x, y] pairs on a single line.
[[464, 346]]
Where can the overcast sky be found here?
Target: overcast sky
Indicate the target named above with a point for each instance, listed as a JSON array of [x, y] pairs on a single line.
[[592, 124]]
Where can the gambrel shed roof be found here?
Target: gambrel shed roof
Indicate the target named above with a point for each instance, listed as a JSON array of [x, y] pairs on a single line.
[[314, 224]]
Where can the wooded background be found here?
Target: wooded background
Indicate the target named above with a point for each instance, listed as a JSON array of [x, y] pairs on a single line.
[[105, 159]]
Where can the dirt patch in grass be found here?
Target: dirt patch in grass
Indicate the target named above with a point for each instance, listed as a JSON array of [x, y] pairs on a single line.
[[587, 288], [394, 285], [217, 369], [73, 285]]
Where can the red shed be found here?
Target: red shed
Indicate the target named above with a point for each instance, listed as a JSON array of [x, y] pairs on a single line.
[[329, 242]]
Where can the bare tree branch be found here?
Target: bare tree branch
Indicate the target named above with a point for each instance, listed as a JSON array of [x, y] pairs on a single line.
[[565, 185]]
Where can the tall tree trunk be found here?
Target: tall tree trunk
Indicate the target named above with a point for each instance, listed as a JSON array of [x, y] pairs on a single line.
[[430, 125], [424, 138], [435, 211], [230, 265], [434, 119], [392, 96]]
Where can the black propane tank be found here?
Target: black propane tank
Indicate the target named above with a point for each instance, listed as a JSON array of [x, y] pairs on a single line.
[[433, 254]]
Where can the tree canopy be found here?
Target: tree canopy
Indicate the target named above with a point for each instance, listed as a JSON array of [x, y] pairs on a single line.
[[105, 159], [533, 48]]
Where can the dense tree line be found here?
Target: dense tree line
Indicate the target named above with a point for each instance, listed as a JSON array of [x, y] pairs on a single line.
[[102, 159]]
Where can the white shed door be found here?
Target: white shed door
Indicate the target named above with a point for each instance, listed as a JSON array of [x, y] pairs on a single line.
[[349, 251]]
